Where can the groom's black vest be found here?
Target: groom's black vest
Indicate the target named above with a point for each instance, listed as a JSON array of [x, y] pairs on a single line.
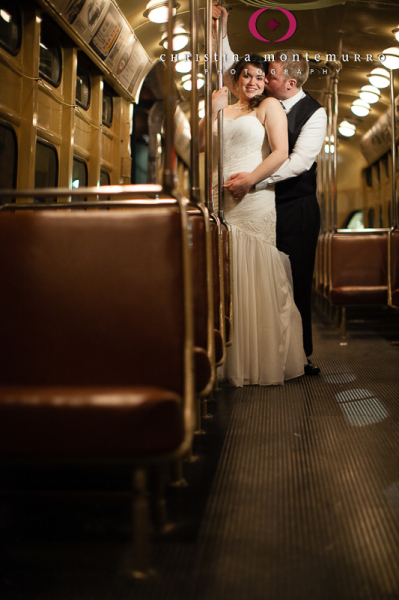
[[304, 184]]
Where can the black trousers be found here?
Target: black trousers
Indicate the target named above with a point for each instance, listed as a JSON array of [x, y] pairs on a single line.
[[298, 226]]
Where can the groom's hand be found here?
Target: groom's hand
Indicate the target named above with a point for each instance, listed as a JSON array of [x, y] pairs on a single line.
[[239, 185], [216, 12]]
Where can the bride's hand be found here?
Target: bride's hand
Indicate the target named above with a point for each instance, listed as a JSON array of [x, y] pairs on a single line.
[[219, 100], [239, 185], [217, 10]]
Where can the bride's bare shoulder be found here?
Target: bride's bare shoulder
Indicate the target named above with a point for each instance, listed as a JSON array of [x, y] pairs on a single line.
[[270, 103], [268, 107]]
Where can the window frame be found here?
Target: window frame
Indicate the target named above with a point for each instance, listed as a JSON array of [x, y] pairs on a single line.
[[57, 170], [107, 91], [83, 67], [108, 175], [8, 126], [14, 51], [54, 40], [84, 163]]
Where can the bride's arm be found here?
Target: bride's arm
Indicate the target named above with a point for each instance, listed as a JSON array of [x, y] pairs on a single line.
[[228, 55], [219, 102], [275, 121]]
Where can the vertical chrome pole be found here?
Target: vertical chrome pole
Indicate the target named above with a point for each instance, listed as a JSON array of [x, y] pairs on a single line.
[[208, 107], [219, 37], [329, 163], [194, 143], [393, 151], [169, 160], [324, 184], [335, 155]]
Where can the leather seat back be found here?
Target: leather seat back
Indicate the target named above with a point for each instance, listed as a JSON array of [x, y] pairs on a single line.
[[92, 298], [359, 268]]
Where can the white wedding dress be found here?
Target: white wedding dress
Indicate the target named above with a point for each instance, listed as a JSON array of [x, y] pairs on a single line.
[[267, 346]]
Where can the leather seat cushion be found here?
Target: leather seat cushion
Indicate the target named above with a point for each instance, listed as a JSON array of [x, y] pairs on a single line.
[[359, 295], [88, 422]]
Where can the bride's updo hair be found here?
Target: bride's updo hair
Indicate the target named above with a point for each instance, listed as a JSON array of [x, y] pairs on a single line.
[[257, 61]]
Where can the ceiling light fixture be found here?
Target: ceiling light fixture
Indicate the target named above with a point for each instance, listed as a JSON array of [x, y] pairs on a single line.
[[379, 78], [391, 58], [347, 129], [158, 11], [360, 108], [370, 94], [184, 65], [187, 82], [179, 40], [396, 32]]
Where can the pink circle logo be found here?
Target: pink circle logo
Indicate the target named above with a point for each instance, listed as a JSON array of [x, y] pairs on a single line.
[[272, 24]]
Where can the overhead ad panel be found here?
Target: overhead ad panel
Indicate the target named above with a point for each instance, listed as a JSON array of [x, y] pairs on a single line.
[[102, 28]]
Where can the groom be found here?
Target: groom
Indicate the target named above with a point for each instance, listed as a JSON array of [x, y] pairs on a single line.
[[298, 213]]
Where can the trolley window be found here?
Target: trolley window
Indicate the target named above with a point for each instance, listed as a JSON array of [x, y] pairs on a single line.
[[50, 60], [108, 106], [369, 177], [385, 162], [105, 179], [371, 217], [83, 87], [8, 158], [10, 26], [354, 220], [46, 168], [79, 177]]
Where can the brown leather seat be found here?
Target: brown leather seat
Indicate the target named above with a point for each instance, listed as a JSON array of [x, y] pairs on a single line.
[[358, 269], [394, 267], [204, 354], [217, 299], [94, 299], [69, 422], [97, 342]]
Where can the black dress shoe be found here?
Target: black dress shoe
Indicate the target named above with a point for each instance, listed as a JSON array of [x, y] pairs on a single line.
[[311, 369]]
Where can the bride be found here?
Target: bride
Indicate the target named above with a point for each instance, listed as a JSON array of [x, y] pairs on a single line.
[[267, 348]]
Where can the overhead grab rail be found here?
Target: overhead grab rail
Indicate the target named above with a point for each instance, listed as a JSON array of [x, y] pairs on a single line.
[[208, 110]]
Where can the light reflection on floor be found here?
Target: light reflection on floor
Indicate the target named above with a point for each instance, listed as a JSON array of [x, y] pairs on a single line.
[[340, 378], [361, 407]]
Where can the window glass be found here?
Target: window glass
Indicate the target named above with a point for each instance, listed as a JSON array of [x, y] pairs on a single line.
[[50, 61], [105, 179], [8, 158], [79, 177], [376, 166], [371, 217], [107, 106], [355, 220], [46, 168], [10, 26], [385, 162], [82, 86], [369, 177]]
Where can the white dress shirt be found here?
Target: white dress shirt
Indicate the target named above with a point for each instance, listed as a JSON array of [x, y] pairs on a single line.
[[309, 143]]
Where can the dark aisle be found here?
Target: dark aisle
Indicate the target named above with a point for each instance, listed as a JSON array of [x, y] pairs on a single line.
[[295, 497]]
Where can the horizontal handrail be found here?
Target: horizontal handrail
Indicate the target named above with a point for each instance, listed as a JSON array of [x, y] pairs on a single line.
[[88, 205], [159, 202], [366, 230], [103, 190]]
